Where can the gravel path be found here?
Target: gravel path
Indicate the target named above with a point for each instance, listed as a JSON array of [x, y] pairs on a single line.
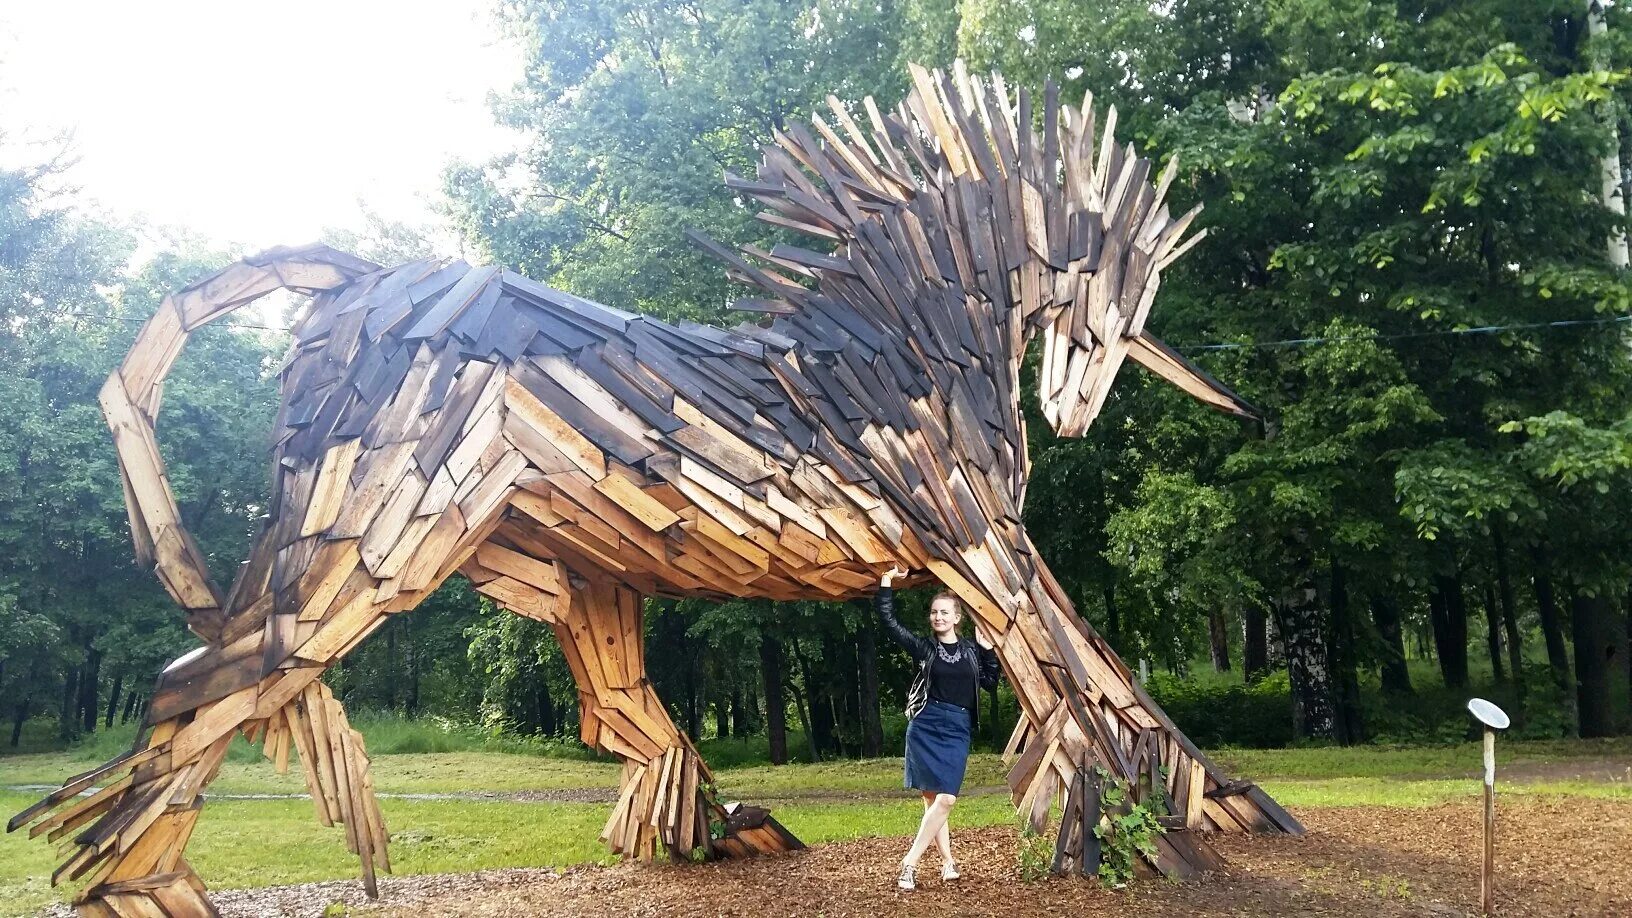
[[559, 795]]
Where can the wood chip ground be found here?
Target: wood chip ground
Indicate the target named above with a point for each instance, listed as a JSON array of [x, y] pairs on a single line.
[[1555, 857]]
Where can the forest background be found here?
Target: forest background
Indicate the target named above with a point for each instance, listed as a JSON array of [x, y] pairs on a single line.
[[1410, 267]]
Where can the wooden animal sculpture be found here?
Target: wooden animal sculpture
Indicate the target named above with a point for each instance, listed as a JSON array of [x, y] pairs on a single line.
[[571, 459]]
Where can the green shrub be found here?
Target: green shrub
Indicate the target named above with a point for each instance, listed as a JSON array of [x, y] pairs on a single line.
[[1125, 837], [1256, 715], [1035, 854]]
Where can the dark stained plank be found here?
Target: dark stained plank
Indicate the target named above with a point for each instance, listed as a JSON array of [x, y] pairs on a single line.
[[450, 304]]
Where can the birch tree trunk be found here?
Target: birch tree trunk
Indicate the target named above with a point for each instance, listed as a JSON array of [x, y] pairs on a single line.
[[1610, 164]]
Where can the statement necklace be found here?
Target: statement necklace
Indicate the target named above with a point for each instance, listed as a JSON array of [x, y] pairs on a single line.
[[955, 656]]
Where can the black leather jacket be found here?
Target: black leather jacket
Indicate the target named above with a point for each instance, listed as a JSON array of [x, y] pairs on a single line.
[[922, 649]]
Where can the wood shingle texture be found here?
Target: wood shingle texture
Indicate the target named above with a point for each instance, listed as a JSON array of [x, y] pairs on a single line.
[[571, 459]]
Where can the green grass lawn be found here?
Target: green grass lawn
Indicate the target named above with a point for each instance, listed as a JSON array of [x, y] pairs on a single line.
[[1414, 761], [261, 842]]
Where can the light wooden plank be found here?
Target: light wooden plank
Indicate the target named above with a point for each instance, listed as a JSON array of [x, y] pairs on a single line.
[[539, 574], [527, 409], [332, 479], [628, 495]]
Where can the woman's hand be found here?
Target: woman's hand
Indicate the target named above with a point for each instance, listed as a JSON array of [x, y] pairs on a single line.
[[892, 575], [980, 635]]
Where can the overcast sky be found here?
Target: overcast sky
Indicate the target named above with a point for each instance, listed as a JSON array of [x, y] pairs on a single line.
[[256, 123]]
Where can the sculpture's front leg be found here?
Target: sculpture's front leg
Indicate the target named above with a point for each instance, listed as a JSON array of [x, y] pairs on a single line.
[[1083, 709]]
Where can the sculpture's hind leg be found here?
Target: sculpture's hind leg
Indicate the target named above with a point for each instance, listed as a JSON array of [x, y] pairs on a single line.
[[259, 677], [131, 835], [667, 797], [133, 831]]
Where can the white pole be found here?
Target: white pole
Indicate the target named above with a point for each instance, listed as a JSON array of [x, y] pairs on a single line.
[[1487, 873], [1492, 719]]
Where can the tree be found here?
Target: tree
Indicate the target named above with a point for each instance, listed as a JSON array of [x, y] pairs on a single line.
[[1589, 470], [1374, 178], [632, 111]]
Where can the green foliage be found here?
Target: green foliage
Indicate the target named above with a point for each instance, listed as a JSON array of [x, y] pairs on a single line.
[[71, 602], [1035, 852], [1128, 831], [1177, 544], [1451, 487], [389, 733], [631, 111], [1564, 449], [1254, 714]]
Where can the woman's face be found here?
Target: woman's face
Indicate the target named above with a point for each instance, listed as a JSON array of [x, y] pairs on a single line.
[[944, 617]]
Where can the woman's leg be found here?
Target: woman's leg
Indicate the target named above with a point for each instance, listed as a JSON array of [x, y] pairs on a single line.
[[934, 821], [943, 838]]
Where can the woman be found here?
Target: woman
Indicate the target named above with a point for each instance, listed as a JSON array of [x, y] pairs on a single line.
[[941, 716]]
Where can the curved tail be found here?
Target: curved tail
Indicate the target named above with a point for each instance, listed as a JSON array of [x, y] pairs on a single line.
[[130, 403]]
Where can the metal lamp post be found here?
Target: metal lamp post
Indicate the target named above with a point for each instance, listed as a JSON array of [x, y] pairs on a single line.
[[1492, 718]]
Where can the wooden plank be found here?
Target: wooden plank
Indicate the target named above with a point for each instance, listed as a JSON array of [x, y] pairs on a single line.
[[1195, 787], [384, 469], [1171, 366], [521, 598], [626, 795], [528, 410], [334, 564], [666, 787], [1089, 858], [686, 821], [604, 404], [719, 445], [391, 566], [87, 808], [179, 900], [157, 343], [313, 709], [539, 574], [496, 485], [630, 632], [642, 506], [706, 527], [339, 629], [590, 508], [485, 425], [434, 551], [857, 536]]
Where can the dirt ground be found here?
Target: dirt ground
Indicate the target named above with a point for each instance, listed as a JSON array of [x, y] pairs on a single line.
[[1555, 857]]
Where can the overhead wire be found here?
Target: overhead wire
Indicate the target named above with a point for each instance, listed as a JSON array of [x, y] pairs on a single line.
[[1379, 336]]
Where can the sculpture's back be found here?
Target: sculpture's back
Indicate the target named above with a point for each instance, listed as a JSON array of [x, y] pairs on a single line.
[[570, 458]]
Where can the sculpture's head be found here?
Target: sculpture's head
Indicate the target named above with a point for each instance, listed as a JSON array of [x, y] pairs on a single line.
[[964, 230]]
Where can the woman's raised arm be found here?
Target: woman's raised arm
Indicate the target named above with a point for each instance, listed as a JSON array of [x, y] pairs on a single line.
[[884, 603]]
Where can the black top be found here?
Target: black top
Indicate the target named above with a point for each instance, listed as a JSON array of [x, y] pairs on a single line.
[[956, 680]]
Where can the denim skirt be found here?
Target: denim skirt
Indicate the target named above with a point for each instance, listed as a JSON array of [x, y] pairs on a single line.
[[937, 748]]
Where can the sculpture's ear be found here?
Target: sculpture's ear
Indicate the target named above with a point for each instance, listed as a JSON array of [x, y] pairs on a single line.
[[1082, 392], [1153, 355]]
